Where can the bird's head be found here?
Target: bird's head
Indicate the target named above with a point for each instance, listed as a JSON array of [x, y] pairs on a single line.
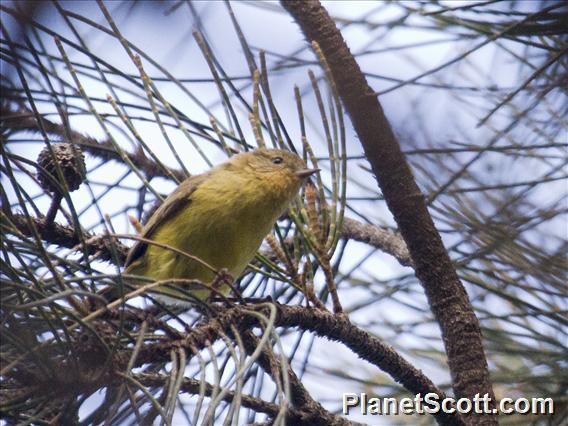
[[281, 170], [276, 162]]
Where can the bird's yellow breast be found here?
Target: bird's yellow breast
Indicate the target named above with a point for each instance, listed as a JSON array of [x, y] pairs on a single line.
[[224, 224]]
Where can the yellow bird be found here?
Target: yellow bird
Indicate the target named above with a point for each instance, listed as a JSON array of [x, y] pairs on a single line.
[[220, 217]]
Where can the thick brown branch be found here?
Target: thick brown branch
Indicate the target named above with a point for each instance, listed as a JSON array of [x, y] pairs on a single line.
[[322, 323], [383, 239], [68, 382], [446, 295], [66, 236]]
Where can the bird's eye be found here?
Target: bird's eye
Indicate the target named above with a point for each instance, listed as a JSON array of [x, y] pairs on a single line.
[[277, 160]]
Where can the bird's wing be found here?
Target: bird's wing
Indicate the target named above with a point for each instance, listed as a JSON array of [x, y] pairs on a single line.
[[175, 201]]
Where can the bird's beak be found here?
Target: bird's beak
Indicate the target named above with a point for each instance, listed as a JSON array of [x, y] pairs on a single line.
[[304, 173]]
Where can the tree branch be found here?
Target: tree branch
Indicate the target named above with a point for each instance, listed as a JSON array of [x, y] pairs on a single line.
[[446, 295], [324, 324], [383, 239], [100, 372], [66, 236]]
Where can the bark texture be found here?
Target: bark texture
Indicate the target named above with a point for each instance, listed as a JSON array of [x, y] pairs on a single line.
[[446, 295], [324, 324]]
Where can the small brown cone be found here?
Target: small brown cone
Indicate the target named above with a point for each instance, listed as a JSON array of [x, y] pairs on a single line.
[[71, 161]]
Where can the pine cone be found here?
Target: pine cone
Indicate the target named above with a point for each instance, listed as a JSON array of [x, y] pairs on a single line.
[[72, 162]]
